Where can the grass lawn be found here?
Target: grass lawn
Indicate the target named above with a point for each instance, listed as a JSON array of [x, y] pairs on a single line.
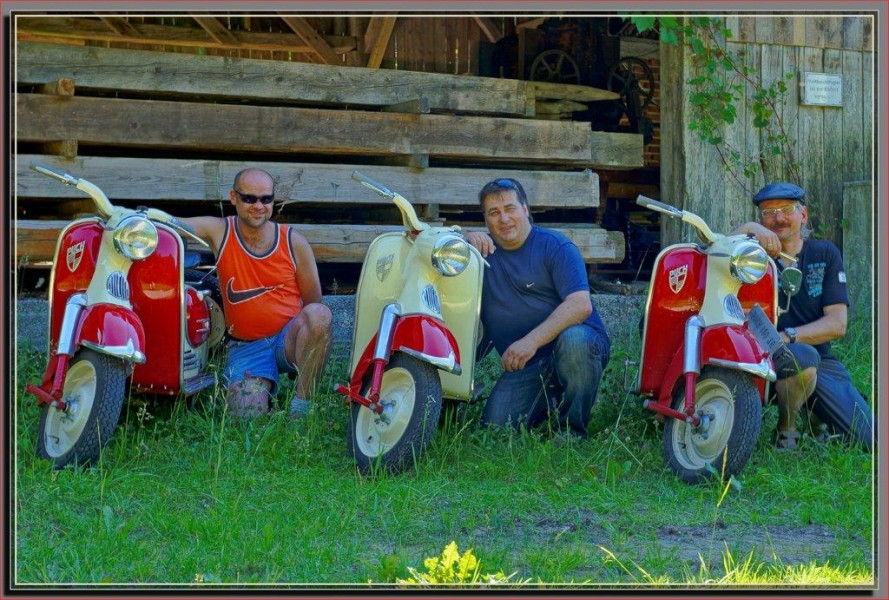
[[182, 495]]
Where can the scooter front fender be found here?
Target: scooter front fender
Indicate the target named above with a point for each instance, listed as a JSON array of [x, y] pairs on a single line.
[[726, 346], [420, 336], [113, 330]]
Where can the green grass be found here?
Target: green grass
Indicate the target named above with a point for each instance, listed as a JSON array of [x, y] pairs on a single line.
[[182, 495]]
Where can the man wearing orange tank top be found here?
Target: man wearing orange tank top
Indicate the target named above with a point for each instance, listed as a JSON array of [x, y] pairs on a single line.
[[271, 294]]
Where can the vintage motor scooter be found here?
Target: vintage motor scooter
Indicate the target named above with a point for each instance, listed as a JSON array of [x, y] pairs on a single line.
[[709, 331], [119, 308], [416, 329]]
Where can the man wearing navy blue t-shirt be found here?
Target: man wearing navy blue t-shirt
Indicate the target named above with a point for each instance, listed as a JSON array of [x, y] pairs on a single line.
[[538, 315], [817, 314]]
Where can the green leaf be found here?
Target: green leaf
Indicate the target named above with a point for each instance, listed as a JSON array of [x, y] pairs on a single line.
[[643, 23], [668, 36]]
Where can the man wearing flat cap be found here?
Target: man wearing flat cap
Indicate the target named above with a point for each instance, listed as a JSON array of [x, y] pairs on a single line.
[[818, 314]]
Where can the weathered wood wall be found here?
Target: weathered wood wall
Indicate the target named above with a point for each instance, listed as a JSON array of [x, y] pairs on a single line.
[[833, 145]]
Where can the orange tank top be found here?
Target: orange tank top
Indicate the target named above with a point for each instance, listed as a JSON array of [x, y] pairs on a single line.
[[260, 293]]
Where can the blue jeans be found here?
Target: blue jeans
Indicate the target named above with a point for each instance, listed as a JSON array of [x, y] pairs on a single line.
[[565, 381]]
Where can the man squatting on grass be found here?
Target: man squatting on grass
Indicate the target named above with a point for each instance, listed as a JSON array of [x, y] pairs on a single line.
[[272, 299], [537, 313], [817, 315]]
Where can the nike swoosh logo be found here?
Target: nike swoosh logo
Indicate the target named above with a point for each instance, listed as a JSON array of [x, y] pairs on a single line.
[[238, 296], [527, 285]]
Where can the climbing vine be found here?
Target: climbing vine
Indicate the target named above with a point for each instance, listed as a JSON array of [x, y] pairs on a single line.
[[718, 88]]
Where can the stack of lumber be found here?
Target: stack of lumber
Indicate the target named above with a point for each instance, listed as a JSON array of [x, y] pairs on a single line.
[[170, 130]]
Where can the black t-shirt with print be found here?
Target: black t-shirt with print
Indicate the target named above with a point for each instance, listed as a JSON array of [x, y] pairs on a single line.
[[824, 283]]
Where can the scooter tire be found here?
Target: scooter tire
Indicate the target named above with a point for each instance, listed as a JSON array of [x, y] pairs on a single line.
[[411, 390], [721, 448], [95, 383]]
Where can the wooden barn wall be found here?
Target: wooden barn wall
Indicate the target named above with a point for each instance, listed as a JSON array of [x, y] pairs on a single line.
[[833, 145]]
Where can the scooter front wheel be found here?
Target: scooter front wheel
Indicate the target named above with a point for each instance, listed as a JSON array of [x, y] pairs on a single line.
[[392, 440], [93, 390], [729, 406]]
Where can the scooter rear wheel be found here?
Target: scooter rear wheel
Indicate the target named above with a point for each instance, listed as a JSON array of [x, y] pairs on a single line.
[[94, 390], [392, 441], [729, 404]]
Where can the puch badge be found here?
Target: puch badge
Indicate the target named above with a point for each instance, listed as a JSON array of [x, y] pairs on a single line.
[[73, 256], [677, 278], [384, 265]]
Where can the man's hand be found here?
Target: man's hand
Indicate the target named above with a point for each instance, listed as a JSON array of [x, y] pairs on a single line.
[[518, 354], [482, 242], [767, 238]]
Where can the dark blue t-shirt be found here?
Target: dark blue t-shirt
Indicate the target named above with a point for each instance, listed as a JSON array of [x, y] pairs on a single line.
[[824, 283], [524, 286]]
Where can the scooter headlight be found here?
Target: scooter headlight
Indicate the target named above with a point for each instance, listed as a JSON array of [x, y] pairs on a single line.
[[749, 262], [450, 255], [135, 237]]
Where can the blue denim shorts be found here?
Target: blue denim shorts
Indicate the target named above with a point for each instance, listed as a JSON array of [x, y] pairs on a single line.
[[264, 358]]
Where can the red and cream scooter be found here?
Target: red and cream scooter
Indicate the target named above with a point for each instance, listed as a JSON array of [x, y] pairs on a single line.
[[709, 330], [119, 310]]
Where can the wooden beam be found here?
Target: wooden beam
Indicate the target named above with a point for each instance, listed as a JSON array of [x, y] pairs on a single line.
[[190, 183], [161, 124], [489, 27], [120, 26], [36, 241], [216, 30], [381, 41], [567, 91], [27, 27], [310, 36], [282, 82]]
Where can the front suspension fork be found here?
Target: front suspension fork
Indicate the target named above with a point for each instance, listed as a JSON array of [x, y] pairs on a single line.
[[380, 359], [691, 368], [58, 364]]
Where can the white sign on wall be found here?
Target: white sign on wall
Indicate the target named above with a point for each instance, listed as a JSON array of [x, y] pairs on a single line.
[[822, 89]]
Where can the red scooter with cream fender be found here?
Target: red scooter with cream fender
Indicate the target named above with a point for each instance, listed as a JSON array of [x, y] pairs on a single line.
[[119, 309], [709, 331]]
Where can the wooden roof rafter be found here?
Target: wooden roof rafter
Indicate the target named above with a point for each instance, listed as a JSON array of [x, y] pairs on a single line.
[[376, 39], [312, 38], [216, 30], [119, 25]]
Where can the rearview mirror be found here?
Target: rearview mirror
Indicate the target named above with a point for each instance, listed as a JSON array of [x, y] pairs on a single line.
[[791, 279]]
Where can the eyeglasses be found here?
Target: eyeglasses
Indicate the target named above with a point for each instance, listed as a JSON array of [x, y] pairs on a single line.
[[251, 199], [768, 213]]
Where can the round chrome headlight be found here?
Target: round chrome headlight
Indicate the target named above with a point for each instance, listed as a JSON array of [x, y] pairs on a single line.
[[450, 255], [749, 262], [135, 237]]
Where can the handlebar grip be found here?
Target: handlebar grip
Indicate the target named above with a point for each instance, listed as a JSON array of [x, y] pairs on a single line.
[[658, 206], [368, 182], [50, 172]]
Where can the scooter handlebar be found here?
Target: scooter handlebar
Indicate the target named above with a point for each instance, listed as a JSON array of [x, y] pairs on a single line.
[[368, 182], [50, 172], [660, 207]]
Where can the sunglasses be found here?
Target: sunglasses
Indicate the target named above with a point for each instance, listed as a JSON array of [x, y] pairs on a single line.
[[251, 199]]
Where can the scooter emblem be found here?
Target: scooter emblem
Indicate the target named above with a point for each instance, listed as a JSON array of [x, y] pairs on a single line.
[[73, 256], [384, 265], [677, 278]]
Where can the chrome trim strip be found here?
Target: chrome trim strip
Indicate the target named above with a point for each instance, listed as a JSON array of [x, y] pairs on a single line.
[[127, 352], [691, 360], [73, 307], [448, 364], [759, 370], [387, 327]]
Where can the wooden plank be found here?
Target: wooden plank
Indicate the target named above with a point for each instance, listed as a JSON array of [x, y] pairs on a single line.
[[855, 153], [858, 247], [831, 191], [119, 26], [194, 126], [746, 28], [799, 30], [489, 27], [380, 42], [310, 36], [772, 62], [163, 35], [567, 91], [189, 181], [765, 29], [36, 241], [216, 30], [782, 30], [285, 82], [867, 111], [853, 32], [811, 150]]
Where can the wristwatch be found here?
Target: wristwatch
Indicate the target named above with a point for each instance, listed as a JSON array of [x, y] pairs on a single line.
[[791, 334]]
